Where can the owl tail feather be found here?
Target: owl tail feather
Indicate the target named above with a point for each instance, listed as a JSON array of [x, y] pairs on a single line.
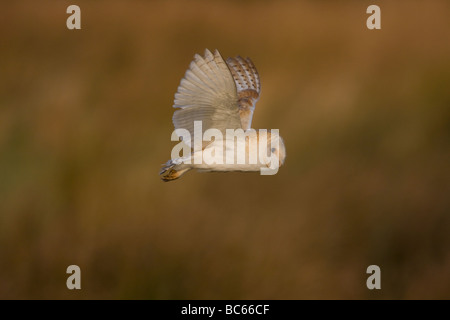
[[168, 173]]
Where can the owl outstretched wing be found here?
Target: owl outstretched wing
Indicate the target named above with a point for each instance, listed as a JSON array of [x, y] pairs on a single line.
[[207, 93], [248, 87]]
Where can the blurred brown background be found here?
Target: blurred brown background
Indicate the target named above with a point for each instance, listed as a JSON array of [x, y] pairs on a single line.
[[85, 123]]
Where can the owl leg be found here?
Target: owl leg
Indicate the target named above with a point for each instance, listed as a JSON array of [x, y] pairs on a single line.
[[172, 170]]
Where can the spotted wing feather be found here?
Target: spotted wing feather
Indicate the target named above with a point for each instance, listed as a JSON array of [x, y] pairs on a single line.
[[248, 87]]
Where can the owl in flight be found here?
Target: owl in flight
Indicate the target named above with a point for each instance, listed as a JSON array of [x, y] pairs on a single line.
[[220, 95]]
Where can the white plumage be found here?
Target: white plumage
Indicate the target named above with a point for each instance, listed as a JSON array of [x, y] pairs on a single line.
[[222, 95]]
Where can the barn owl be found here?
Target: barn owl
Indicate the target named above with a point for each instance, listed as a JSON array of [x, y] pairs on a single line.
[[215, 102]]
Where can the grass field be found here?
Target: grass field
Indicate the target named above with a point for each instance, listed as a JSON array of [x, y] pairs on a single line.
[[85, 124]]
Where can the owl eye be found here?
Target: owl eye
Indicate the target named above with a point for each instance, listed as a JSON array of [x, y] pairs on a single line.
[[273, 150]]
